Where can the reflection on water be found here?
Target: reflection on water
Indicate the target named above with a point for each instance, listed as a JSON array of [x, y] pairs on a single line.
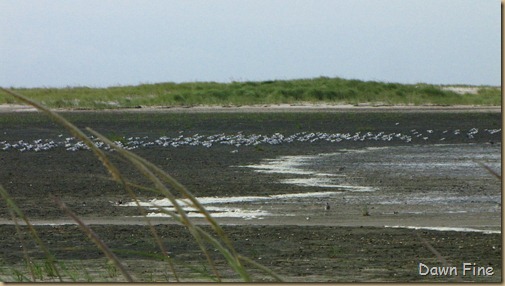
[[420, 180], [224, 206], [403, 163], [425, 187], [465, 229]]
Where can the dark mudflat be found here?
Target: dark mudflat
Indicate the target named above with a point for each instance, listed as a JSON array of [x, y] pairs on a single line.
[[297, 251]]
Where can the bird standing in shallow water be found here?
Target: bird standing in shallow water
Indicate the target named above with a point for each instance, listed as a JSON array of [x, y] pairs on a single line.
[[327, 207]]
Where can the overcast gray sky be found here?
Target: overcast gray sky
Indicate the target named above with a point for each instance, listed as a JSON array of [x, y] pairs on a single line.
[[99, 43]]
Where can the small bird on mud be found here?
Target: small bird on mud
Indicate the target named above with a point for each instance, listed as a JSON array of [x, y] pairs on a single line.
[[117, 203], [327, 207]]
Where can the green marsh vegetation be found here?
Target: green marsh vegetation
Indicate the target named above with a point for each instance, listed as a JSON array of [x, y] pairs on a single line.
[[315, 90], [161, 183]]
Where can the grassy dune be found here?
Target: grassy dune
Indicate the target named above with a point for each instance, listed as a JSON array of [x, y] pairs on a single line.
[[316, 90]]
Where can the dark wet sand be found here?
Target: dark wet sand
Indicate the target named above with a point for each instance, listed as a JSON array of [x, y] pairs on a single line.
[[318, 249]]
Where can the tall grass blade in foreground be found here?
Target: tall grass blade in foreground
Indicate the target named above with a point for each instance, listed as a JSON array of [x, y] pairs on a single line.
[[17, 211], [437, 254], [158, 177], [487, 168], [28, 261], [94, 237], [147, 169], [111, 168], [431, 248]]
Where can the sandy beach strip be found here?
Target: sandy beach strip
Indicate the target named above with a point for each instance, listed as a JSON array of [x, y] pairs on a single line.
[[273, 108]]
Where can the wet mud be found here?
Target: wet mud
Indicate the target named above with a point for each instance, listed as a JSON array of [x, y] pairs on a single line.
[[347, 243]]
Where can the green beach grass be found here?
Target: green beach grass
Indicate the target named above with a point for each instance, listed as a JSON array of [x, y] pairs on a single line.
[[315, 90]]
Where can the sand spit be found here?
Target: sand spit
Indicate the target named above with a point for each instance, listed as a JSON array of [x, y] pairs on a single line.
[[265, 108]]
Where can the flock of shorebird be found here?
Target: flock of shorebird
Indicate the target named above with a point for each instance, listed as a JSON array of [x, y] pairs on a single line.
[[239, 139]]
